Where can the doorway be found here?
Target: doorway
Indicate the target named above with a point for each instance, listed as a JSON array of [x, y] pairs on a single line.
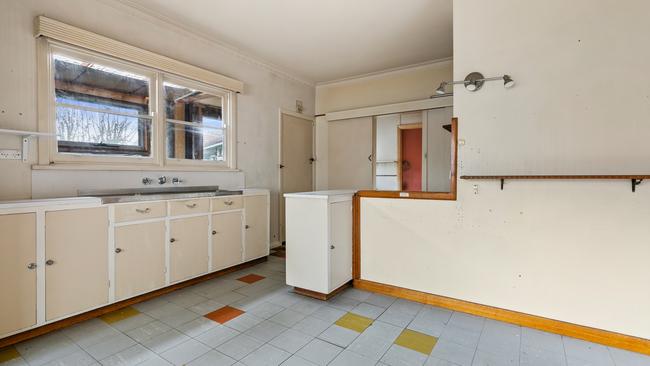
[[410, 156], [296, 158]]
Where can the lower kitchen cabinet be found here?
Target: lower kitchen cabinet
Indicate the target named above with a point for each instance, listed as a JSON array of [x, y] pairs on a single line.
[[76, 260], [256, 241], [227, 246], [17, 271], [139, 258], [188, 239]]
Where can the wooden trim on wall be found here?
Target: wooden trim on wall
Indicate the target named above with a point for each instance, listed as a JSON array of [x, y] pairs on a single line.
[[28, 334], [590, 334]]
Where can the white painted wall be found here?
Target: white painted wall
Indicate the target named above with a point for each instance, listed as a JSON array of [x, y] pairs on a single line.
[[575, 251], [265, 89], [407, 84]]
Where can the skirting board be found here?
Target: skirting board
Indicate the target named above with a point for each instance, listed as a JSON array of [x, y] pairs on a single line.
[[47, 328], [595, 335], [320, 295]]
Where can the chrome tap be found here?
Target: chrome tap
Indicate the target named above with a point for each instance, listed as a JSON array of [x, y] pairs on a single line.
[[177, 180], [146, 181], [162, 180]]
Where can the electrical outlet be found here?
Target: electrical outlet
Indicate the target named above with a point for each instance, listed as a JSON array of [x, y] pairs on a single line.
[[10, 154]]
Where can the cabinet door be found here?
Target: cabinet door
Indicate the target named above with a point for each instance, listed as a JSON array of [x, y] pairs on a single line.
[[340, 243], [188, 240], [76, 253], [256, 242], [227, 243], [17, 277], [139, 258]]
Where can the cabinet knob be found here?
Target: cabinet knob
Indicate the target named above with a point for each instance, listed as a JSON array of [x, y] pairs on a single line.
[[31, 266], [49, 262], [172, 240], [118, 250], [332, 247], [247, 227], [214, 232]]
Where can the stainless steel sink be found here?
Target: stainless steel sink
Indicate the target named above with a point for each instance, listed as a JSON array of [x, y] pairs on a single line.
[[155, 194]]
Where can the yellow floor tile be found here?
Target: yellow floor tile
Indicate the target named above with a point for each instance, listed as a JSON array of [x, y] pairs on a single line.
[[416, 341], [8, 353], [355, 322], [118, 315]]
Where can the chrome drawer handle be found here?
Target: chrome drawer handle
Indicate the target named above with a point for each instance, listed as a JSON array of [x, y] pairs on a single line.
[[49, 262], [118, 250], [145, 211], [228, 203], [190, 205], [31, 266]]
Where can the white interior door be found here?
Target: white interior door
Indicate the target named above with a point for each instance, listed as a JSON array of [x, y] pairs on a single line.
[[350, 154], [296, 159]]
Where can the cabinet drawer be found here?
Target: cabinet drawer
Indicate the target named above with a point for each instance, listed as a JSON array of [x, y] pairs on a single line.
[[227, 203], [140, 211], [188, 207]]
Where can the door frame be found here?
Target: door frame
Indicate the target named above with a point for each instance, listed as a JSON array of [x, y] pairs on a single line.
[[307, 118]]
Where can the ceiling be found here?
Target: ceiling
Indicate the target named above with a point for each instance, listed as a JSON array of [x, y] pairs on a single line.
[[321, 40]]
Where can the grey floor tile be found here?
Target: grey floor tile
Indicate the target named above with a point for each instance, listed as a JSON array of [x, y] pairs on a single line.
[[453, 352], [185, 352], [212, 358], [339, 336], [291, 341], [132, 322], [468, 322], [266, 330], [433, 361], [288, 317], [110, 346], [356, 294], [165, 341], [487, 358], [348, 358], [627, 358], [131, 356], [195, 327], [228, 298], [297, 361], [396, 317], [462, 336], [319, 352], [205, 307], [383, 301], [328, 313], [265, 310], [266, 355], [370, 347], [79, 358], [178, 318], [243, 322], [311, 326], [307, 306], [148, 331], [217, 336], [541, 340], [532, 356], [343, 303], [239, 346], [285, 299], [401, 356], [582, 352], [368, 310], [41, 350]]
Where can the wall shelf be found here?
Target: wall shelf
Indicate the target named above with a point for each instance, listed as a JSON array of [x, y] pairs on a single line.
[[25, 136], [635, 179]]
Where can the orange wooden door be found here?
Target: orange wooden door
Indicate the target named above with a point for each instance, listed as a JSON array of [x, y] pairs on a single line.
[[411, 159]]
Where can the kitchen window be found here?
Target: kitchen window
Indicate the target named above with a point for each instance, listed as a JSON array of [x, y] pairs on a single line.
[[110, 112]]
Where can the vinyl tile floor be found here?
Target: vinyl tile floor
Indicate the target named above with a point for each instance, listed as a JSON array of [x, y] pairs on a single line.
[[252, 318]]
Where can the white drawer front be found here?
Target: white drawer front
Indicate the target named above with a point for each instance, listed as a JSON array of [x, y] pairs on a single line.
[[188, 207], [227, 203], [140, 211]]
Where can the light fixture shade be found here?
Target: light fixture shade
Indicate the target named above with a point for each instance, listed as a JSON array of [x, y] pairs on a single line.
[[441, 88], [470, 86], [474, 81], [508, 82]]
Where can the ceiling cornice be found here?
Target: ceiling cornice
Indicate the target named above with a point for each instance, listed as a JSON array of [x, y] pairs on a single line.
[[160, 19], [382, 73]]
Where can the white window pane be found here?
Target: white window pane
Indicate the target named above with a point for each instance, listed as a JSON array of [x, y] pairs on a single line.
[[195, 143], [189, 105]]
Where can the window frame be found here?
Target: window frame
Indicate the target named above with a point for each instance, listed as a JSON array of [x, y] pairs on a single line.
[[50, 157], [226, 116]]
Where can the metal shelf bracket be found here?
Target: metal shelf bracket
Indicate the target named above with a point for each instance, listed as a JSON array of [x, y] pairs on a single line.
[[635, 182]]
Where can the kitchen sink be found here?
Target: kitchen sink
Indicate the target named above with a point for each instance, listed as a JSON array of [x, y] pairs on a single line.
[[155, 194]]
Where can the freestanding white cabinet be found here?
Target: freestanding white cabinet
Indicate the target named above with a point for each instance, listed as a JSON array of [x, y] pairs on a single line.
[[319, 241]]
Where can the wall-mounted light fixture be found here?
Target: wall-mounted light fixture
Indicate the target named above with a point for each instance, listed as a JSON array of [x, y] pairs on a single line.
[[473, 82]]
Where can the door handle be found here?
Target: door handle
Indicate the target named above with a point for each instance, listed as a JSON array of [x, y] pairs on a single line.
[[31, 266], [370, 157], [247, 227], [281, 166], [118, 250], [332, 247], [49, 262], [172, 240], [214, 232]]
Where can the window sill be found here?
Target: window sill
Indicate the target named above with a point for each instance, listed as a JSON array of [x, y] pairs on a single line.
[[109, 167]]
